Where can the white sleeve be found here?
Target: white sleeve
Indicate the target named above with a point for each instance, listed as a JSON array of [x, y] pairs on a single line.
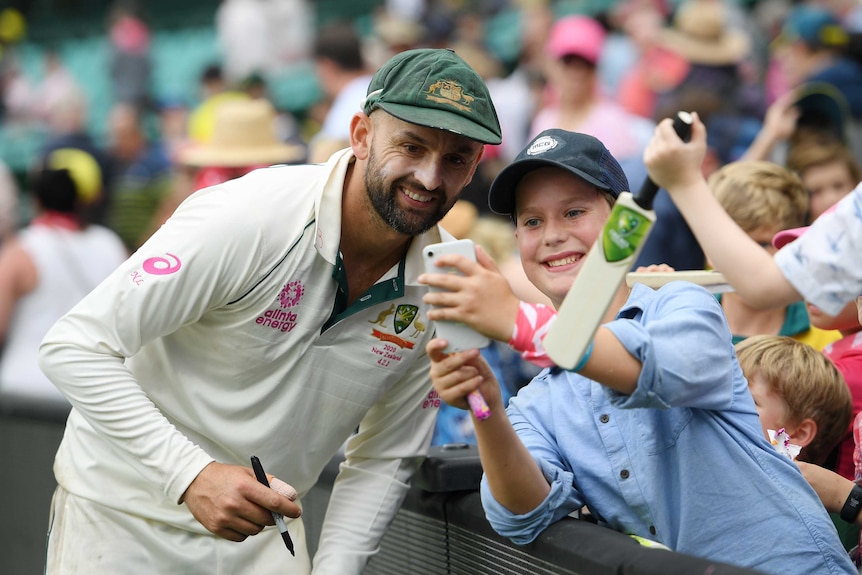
[[825, 263], [381, 457], [189, 266]]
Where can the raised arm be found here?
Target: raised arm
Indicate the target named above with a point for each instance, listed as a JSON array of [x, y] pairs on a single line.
[[676, 166]]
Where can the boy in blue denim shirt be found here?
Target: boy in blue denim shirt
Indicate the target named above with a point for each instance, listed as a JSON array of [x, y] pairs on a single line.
[[655, 432]]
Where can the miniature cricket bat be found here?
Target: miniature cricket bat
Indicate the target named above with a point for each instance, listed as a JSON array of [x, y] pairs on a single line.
[[605, 268]]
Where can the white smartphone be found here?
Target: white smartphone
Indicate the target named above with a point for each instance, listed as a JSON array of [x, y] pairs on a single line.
[[459, 335]]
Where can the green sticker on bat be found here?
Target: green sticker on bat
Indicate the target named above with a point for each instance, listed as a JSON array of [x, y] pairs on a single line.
[[623, 233]]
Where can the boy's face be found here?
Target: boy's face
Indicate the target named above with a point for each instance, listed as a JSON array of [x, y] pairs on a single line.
[[558, 218], [859, 309], [763, 236], [826, 184], [847, 320], [771, 408]]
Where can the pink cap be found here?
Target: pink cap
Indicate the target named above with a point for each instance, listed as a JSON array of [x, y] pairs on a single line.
[[785, 237], [576, 36]]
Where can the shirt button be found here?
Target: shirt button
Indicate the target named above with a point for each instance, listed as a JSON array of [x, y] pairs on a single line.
[[604, 418], [624, 473], [652, 529]]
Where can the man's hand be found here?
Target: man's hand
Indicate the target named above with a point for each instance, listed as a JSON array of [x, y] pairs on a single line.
[[229, 501]]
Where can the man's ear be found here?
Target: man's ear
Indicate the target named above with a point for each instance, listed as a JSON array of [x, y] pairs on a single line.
[[805, 432], [476, 166], [360, 135]]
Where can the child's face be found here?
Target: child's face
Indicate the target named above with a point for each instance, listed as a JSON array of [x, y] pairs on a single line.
[[859, 309], [826, 184], [847, 320], [558, 218], [771, 408]]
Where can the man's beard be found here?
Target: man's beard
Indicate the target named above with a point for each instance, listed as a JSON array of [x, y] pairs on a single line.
[[384, 201]]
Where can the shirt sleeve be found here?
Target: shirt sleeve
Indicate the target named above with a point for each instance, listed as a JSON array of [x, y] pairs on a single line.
[[670, 376], [187, 267], [531, 326], [824, 263], [562, 499], [390, 444]]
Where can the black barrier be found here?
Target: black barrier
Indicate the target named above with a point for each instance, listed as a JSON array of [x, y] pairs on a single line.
[[440, 528]]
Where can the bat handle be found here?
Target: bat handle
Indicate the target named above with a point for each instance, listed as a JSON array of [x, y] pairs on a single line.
[[682, 126], [478, 405]]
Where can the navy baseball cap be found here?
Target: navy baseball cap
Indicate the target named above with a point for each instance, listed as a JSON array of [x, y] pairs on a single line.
[[580, 154]]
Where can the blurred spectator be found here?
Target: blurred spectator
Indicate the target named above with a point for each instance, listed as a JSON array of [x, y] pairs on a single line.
[[47, 268], [214, 90], [172, 122], [20, 104], [130, 66], [828, 171], [392, 34], [244, 38], [244, 138], [344, 78], [67, 125], [8, 203], [292, 28], [811, 48], [56, 86], [653, 69], [574, 100], [142, 176], [518, 96], [731, 106], [262, 36]]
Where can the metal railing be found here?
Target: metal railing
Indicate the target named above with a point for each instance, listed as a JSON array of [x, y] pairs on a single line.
[[440, 529]]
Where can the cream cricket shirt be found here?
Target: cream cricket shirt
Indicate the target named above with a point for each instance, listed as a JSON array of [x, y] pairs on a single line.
[[222, 315]]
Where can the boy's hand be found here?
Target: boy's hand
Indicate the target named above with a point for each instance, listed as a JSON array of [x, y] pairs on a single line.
[[456, 375], [481, 298], [673, 164]]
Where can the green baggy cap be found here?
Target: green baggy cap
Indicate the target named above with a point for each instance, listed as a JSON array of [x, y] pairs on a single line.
[[437, 89]]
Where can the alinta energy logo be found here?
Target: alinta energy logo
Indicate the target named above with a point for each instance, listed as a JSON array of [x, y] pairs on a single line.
[[281, 318]]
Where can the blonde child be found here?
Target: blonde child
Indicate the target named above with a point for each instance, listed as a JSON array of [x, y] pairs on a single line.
[[763, 198], [796, 388], [827, 170]]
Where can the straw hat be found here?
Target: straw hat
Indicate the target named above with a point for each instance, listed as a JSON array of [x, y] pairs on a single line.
[[701, 36], [244, 134]]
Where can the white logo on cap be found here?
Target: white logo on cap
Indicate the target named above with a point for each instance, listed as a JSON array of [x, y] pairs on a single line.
[[542, 145]]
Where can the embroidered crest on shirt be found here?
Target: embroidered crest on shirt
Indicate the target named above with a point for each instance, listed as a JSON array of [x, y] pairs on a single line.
[[397, 319], [400, 318]]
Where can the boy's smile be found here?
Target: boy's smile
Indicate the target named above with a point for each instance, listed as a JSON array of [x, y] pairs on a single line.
[[558, 218]]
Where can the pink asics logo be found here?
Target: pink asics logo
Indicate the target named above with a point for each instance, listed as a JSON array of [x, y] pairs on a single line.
[[159, 266]]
